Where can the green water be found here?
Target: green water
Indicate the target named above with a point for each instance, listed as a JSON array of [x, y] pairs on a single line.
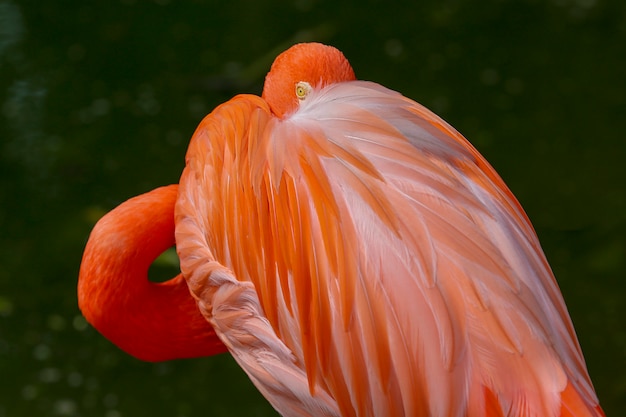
[[98, 101]]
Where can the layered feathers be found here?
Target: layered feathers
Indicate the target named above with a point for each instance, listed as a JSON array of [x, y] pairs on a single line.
[[374, 247]]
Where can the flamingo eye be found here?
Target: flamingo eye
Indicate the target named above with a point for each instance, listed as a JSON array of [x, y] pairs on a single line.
[[302, 89]]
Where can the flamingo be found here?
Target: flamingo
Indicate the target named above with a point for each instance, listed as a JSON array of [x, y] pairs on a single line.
[[353, 252]]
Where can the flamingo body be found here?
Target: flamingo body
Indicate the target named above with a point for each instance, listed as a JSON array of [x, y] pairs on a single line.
[[358, 257]]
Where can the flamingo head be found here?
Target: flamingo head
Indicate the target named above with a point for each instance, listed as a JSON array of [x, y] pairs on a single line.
[[299, 69]]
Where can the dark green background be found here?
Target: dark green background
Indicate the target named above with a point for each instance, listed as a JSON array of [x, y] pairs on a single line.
[[98, 100]]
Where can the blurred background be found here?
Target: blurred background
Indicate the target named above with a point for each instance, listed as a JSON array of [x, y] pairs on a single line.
[[98, 101]]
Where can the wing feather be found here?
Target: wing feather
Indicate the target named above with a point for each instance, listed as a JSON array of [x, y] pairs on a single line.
[[387, 256]]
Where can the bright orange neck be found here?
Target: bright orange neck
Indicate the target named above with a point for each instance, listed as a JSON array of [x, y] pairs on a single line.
[[151, 321]]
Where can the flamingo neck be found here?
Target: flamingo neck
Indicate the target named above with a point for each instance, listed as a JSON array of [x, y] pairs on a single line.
[[151, 321]]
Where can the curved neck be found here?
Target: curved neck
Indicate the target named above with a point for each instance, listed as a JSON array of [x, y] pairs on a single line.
[[151, 321]]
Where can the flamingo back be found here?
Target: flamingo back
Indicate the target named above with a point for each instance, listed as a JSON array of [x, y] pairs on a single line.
[[382, 253]]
